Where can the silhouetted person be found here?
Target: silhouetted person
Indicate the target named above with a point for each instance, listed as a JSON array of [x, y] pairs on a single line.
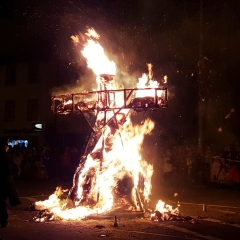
[[65, 165], [7, 186]]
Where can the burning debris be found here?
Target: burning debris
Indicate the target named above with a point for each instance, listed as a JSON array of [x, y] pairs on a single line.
[[111, 176], [165, 212], [158, 217], [162, 212], [44, 216], [52, 201]]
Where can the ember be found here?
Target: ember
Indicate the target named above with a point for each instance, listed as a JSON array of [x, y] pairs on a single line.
[[165, 212], [111, 174]]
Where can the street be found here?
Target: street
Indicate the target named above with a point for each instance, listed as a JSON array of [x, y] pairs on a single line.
[[220, 219]]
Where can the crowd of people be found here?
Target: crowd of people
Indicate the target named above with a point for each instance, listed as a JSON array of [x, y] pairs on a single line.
[[46, 163], [226, 167], [172, 166], [8, 190], [182, 163], [176, 165]]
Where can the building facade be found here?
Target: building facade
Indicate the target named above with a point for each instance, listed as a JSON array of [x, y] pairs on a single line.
[[26, 101], [29, 70]]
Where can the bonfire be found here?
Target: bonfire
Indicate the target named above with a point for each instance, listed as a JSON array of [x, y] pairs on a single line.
[[112, 176]]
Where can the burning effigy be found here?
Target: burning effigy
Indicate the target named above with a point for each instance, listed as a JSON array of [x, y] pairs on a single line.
[[112, 175]]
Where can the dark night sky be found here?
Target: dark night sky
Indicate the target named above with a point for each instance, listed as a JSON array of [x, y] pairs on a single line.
[[133, 32]]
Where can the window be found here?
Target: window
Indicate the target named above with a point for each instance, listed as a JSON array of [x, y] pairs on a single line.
[[9, 114], [11, 74], [32, 109], [33, 71]]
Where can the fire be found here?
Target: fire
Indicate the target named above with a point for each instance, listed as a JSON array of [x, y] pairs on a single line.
[[123, 161], [164, 208], [94, 53], [52, 201], [113, 175], [144, 82], [164, 212]]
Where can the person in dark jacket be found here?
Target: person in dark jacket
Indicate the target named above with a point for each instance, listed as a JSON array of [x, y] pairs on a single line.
[[7, 187]]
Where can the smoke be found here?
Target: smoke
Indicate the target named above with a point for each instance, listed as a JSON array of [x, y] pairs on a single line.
[[85, 83], [125, 80], [65, 89], [125, 76]]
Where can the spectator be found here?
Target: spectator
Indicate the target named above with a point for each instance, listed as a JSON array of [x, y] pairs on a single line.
[[48, 161], [233, 174], [207, 165], [17, 158], [235, 152], [29, 168], [238, 152], [7, 186], [167, 168], [65, 165], [226, 154], [197, 165], [208, 157], [75, 158], [189, 165]]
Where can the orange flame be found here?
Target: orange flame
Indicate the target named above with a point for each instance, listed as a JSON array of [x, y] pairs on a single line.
[[120, 150], [94, 53]]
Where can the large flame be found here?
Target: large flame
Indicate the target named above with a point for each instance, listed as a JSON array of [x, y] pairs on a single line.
[[115, 167], [94, 53], [144, 82], [123, 160]]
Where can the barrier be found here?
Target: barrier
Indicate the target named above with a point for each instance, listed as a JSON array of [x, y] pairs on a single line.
[[225, 170]]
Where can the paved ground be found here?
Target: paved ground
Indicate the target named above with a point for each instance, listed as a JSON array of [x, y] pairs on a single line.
[[221, 220]]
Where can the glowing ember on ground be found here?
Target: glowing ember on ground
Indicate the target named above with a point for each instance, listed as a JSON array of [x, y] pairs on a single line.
[[113, 175]]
